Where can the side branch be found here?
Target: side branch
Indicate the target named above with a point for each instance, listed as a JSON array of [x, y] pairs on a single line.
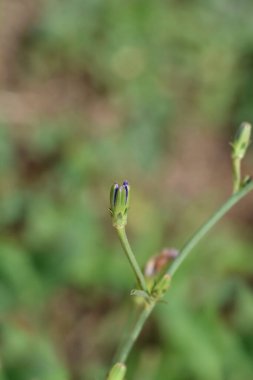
[[202, 231]]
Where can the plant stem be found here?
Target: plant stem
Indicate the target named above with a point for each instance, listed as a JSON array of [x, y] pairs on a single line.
[[184, 253], [207, 226], [131, 258], [236, 163], [135, 332]]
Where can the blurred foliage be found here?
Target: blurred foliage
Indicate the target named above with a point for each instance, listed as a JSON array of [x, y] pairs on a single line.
[[154, 57], [149, 75]]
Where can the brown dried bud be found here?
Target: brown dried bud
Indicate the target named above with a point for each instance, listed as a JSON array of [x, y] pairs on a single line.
[[157, 264]]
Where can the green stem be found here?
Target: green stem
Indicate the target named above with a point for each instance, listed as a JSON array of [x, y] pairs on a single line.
[[200, 233], [184, 253], [131, 258], [135, 332], [236, 163]]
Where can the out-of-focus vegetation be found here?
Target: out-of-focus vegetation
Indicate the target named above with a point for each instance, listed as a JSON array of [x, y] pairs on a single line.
[[95, 91]]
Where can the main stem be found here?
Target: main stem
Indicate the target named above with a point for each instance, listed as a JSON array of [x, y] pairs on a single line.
[[135, 332], [184, 253], [131, 258]]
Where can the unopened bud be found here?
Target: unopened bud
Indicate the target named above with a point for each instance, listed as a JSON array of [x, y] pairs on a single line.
[[246, 180], [119, 203], [156, 265], [161, 287], [117, 372], [241, 141]]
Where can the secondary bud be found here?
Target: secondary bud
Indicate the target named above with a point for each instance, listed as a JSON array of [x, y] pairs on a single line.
[[161, 287], [241, 141], [119, 203], [156, 265], [117, 372]]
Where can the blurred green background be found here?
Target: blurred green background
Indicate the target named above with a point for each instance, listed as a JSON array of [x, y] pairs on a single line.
[[95, 91]]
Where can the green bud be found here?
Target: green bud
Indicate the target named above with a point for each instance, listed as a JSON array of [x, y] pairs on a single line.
[[241, 141], [117, 372], [246, 180], [161, 287], [119, 203]]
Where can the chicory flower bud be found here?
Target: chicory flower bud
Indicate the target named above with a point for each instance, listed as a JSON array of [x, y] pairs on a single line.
[[119, 203], [117, 372], [157, 265], [241, 141], [161, 287]]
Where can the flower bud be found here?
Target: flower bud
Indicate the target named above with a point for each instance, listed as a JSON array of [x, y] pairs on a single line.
[[156, 265], [241, 141], [246, 180], [117, 372], [119, 203], [161, 287]]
